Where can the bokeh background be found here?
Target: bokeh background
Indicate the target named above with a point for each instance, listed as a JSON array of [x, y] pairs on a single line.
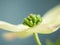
[[14, 11]]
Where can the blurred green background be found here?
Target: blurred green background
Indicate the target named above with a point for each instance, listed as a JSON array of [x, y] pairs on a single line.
[[14, 11]]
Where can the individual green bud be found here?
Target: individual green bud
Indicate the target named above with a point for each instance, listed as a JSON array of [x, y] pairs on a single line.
[[31, 24], [26, 21], [39, 19], [29, 18]]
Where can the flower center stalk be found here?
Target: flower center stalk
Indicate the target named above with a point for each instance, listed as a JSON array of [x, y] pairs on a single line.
[[31, 21]]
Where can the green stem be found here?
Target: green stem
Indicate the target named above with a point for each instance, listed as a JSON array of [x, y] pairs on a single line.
[[37, 38]]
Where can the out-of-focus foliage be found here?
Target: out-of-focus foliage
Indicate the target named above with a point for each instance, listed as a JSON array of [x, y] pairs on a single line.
[[58, 41], [50, 42]]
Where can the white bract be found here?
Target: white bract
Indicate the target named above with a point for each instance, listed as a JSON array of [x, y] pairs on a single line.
[[50, 23]]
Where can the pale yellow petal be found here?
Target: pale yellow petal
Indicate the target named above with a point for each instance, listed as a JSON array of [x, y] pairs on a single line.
[[50, 23], [52, 16], [20, 34], [44, 29], [13, 28]]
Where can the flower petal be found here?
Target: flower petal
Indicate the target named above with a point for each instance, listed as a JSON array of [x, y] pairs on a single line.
[[44, 29], [13, 28], [50, 23], [52, 16]]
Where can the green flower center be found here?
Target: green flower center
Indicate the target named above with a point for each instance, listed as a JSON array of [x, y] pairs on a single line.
[[32, 20]]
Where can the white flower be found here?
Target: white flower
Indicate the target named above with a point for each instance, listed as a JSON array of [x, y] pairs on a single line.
[[50, 24]]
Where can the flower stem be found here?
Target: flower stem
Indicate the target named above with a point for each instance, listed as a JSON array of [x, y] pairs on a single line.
[[31, 21], [37, 38]]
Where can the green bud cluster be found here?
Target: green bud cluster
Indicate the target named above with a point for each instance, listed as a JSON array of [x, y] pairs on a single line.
[[32, 20]]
